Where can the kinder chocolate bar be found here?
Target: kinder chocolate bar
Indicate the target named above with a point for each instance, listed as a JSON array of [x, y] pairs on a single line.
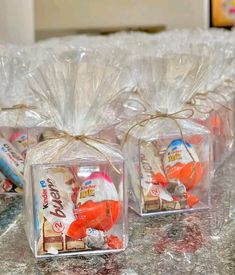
[[20, 141], [11, 163]]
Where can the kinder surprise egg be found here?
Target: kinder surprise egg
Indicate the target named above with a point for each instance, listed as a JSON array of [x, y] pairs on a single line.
[[179, 165], [98, 206]]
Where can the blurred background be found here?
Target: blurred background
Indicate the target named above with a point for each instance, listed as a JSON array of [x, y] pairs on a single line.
[[27, 21]]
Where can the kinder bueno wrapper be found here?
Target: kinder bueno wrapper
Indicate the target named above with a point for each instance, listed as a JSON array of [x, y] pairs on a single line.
[[55, 198], [11, 163], [182, 164], [150, 166], [98, 206], [52, 241]]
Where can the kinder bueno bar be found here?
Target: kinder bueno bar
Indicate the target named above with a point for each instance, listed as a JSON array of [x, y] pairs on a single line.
[[55, 202], [153, 180], [11, 163]]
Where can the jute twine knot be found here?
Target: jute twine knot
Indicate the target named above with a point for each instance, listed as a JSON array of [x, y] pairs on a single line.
[[208, 97], [146, 118], [86, 139]]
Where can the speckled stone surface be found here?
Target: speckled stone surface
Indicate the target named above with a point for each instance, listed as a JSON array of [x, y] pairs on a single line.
[[196, 243]]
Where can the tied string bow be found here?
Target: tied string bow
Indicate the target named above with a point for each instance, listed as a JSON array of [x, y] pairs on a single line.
[[84, 139], [183, 114], [208, 96], [229, 82], [19, 108]]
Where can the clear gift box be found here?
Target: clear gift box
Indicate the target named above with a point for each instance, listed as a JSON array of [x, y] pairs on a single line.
[[78, 206], [75, 194], [215, 110], [169, 156], [228, 93], [160, 183]]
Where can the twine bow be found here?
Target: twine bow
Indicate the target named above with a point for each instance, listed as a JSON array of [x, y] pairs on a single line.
[[183, 114], [19, 107], [84, 139], [229, 82], [205, 96]]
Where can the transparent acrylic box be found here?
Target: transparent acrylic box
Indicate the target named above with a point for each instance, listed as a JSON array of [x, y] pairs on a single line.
[[98, 214], [149, 197], [221, 123]]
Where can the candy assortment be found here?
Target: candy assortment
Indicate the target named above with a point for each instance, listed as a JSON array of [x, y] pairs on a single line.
[[169, 174], [167, 100], [75, 197], [168, 155], [78, 208]]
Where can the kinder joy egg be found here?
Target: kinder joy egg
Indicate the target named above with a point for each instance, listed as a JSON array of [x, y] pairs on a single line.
[[98, 206], [179, 165]]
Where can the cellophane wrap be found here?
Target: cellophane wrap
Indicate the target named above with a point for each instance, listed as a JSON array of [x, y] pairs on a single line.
[[19, 107], [211, 105], [158, 141], [82, 99]]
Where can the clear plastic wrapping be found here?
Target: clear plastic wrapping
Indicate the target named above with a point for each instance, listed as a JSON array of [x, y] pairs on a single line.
[[19, 109], [75, 196], [168, 156], [210, 105]]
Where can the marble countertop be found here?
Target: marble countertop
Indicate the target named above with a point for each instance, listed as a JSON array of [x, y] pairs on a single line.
[[195, 243]]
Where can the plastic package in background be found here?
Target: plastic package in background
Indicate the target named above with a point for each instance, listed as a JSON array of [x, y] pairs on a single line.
[[169, 156], [156, 190], [39, 134], [207, 102], [109, 134], [18, 103], [215, 115], [84, 219], [14, 143]]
